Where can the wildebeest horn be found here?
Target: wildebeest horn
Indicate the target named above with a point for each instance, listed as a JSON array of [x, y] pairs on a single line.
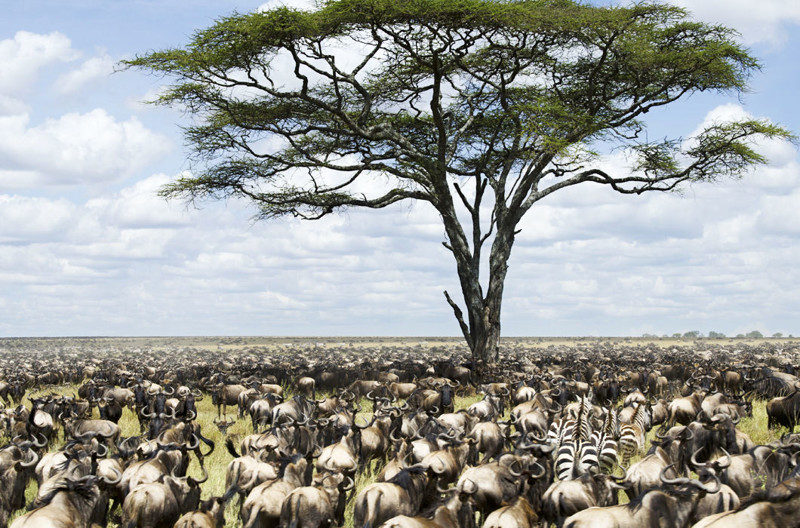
[[348, 487], [688, 434], [518, 464], [535, 438], [708, 489], [201, 480], [676, 481], [43, 443], [172, 391], [440, 489], [469, 487], [113, 482], [661, 433], [722, 465], [694, 461], [619, 479], [394, 438], [368, 425], [192, 446], [108, 434], [34, 460], [538, 475]]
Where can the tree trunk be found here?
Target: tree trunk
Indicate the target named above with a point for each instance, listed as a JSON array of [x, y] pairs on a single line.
[[486, 345], [483, 331]]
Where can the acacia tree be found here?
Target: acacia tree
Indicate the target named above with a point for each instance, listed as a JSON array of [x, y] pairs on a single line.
[[478, 108]]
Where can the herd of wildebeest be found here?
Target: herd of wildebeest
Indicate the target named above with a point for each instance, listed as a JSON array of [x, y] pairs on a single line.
[[553, 435]]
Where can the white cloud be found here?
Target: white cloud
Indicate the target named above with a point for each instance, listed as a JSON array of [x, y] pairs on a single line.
[[78, 148], [767, 21], [305, 5], [12, 106], [139, 206], [719, 115], [22, 57], [90, 70], [26, 218]]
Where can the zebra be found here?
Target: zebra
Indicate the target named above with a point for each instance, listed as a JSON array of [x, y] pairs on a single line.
[[632, 435], [576, 453], [605, 443], [565, 428]]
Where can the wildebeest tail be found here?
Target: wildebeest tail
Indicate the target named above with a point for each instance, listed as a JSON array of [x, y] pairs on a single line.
[[231, 447]]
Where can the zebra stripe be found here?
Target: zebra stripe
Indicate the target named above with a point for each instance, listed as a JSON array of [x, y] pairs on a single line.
[[565, 461], [589, 458], [606, 451], [631, 435]]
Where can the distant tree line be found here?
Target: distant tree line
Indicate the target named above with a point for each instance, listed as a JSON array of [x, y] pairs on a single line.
[[696, 334]]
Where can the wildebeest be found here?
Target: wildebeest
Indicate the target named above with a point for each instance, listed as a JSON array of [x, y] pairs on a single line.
[[785, 410], [160, 504], [655, 507], [317, 506]]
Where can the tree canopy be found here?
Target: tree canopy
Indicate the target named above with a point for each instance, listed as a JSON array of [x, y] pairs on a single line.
[[479, 108]]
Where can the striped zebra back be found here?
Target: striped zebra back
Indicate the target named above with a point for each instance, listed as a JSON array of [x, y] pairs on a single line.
[[611, 424], [631, 435], [560, 430], [583, 426], [589, 459], [606, 447], [576, 458], [565, 460]]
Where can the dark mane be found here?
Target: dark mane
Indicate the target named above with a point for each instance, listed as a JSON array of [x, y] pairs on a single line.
[[785, 491], [84, 488], [405, 479]]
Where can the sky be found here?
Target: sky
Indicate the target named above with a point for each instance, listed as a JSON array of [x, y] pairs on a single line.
[[88, 248]]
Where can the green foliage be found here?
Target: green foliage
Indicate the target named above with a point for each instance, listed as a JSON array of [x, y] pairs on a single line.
[[444, 88]]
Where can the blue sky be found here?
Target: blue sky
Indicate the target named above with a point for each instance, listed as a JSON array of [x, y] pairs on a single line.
[[87, 248]]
